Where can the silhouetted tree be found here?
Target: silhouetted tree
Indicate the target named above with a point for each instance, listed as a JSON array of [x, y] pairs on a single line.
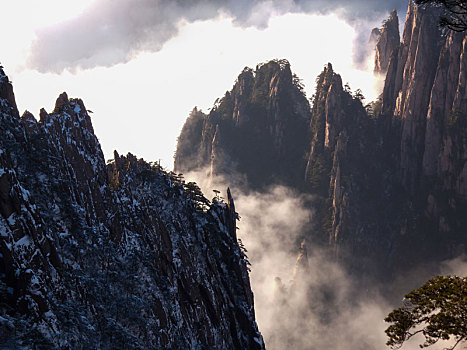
[[455, 13], [358, 95], [437, 310]]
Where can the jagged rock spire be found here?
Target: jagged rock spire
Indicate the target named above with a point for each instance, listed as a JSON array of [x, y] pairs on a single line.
[[388, 40], [280, 292], [233, 216], [6, 91], [61, 101], [301, 268]]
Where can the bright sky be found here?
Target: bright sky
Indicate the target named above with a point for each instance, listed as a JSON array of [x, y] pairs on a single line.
[[140, 106]]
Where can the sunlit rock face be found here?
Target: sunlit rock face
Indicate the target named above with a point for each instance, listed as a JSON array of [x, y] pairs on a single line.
[[259, 128], [403, 207], [410, 86], [100, 256], [424, 96], [374, 36], [344, 173], [388, 40], [446, 110]]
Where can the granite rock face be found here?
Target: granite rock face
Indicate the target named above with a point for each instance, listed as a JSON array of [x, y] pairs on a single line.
[[388, 40], [424, 96], [123, 255], [408, 87], [388, 179], [408, 210], [259, 128]]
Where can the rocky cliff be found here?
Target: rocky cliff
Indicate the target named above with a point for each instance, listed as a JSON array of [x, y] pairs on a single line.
[[388, 179], [424, 96], [123, 255], [349, 173], [388, 40], [259, 129], [392, 182]]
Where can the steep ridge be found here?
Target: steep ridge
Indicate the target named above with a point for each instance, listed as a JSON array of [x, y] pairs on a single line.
[[424, 97], [408, 84], [123, 255], [342, 169], [398, 201], [388, 179], [266, 111], [388, 40]]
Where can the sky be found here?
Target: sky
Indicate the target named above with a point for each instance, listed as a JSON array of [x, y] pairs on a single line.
[[142, 65]]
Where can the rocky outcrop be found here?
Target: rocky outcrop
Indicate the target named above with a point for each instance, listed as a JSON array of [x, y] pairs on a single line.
[[6, 92], [408, 85], [123, 255], [445, 111], [266, 111], [301, 269], [425, 85], [388, 180], [343, 172], [418, 159], [374, 36], [387, 41]]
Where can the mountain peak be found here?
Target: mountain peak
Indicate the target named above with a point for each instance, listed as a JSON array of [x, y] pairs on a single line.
[[388, 40], [76, 240], [6, 91], [61, 101]]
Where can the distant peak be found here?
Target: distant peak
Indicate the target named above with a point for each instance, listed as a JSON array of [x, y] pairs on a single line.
[[328, 77], [62, 100], [281, 63], [387, 42]]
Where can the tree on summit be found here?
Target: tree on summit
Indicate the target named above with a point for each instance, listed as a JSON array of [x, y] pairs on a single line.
[[455, 13], [437, 310]]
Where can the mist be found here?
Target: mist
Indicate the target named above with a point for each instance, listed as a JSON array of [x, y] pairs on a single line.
[[112, 32], [303, 298]]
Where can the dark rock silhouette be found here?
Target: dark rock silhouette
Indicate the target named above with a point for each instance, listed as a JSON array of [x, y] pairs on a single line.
[[389, 179], [100, 256], [388, 40]]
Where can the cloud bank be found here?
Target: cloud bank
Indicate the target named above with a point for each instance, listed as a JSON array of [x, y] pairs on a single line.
[[110, 32], [304, 299]]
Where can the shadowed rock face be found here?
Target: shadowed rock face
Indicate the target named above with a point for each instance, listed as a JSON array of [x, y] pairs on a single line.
[[387, 41], [445, 124], [425, 95], [403, 206], [259, 128], [389, 185], [6, 91], [110, 256], [410, 86]]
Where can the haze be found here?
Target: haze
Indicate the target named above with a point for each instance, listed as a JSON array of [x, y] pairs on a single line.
[[140, 95]]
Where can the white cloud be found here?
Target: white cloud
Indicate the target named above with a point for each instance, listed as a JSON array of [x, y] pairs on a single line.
[[140, 106]]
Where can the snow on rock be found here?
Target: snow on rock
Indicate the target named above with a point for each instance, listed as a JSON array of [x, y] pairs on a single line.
[[122, 255]]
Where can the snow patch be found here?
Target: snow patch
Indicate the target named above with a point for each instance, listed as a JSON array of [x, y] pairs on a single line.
[[24, 241], [11, 219]]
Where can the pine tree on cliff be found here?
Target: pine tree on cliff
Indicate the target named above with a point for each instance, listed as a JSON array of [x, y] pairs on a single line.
[[455, 13]]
